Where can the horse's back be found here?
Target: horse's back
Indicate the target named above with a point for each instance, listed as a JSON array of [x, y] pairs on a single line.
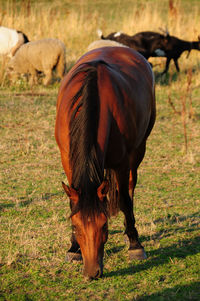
[[122, 59], [125, 94], [124, 65], [126, 90]]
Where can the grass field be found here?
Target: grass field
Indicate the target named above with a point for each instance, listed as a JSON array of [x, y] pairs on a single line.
[[34, 224]]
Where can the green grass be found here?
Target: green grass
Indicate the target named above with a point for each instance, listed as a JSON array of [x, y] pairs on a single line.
[[34, 211], [35, 229]]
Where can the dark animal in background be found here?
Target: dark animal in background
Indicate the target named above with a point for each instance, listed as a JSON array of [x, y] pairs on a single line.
[[105, 113], [147, 43], [175, 47], [153, 44]]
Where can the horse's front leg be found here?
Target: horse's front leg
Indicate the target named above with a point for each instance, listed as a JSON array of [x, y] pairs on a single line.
[[74, 252], [136, 250]]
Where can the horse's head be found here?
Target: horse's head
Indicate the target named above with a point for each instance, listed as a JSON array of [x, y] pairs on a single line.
[[91, 232]]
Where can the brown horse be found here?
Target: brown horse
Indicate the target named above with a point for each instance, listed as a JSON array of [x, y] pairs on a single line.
[[105, 112]]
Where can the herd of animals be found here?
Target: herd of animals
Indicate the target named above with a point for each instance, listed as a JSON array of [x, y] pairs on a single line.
[[33, 57]]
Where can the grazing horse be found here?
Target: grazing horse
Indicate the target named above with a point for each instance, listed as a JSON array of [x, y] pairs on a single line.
[[105, 112]]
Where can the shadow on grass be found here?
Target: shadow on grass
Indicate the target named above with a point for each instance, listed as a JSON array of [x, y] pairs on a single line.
[[170, 221], [171, 77], [180, 249], [175, 218], [115, 250], [180, 292], [161, 256], [6, 206], [48, 196], [166, 232], [165, 79], [111, 232], [23, 202]]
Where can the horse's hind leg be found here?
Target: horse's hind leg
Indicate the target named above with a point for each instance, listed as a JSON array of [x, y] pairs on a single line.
[[135, 161], [136, 250]]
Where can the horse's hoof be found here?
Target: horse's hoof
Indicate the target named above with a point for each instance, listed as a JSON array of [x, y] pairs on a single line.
[[138, 254], [70, 257]]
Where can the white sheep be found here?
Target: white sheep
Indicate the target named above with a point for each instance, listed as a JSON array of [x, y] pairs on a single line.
[[39, 56], [11, 40], [104, 43]]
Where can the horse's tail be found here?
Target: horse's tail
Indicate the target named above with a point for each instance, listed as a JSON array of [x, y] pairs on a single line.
[[113, 196], [61, 63]]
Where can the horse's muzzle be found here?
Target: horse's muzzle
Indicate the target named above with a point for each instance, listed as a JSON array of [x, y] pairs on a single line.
[[93, 272]]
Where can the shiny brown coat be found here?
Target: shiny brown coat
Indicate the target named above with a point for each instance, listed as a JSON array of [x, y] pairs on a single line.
[[105, 112]]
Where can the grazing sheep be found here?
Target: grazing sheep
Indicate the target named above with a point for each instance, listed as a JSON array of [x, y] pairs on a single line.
[[39, 56], [11, 40], [104, 43]]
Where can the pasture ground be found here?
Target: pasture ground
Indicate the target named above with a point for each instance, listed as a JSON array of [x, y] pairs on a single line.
[[34, 224]]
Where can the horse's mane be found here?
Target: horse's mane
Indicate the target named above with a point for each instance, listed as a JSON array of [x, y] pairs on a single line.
[[87, 173]]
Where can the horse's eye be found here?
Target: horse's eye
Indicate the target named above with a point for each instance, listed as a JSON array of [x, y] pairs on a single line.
[[76, 230], [73, 228]]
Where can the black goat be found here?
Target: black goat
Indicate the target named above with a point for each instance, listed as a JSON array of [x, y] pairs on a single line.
[[153, 44], [175, 47]]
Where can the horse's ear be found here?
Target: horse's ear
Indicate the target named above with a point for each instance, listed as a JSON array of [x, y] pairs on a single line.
[[71, 192], [103, 190], [66, 189]]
